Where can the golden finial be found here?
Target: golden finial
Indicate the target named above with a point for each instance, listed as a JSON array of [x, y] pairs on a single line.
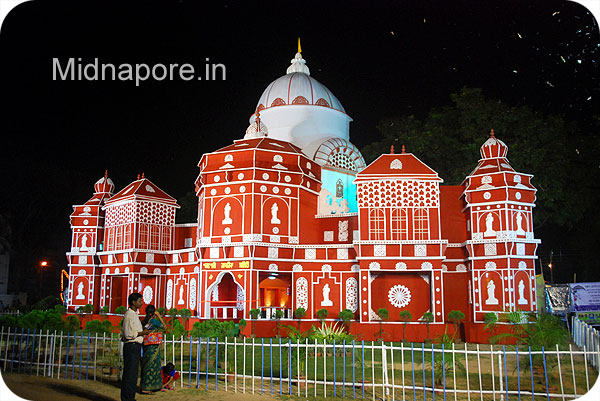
[[299, 47]]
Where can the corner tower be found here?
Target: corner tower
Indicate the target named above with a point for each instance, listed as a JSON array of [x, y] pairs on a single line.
[[501, 244]]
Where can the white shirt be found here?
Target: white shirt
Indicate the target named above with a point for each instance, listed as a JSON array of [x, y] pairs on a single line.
[[131, 327]]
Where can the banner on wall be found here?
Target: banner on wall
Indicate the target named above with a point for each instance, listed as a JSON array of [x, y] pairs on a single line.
[[585, 297], [558, 301]]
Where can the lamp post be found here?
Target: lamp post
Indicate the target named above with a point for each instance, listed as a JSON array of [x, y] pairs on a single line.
[[43, 266]]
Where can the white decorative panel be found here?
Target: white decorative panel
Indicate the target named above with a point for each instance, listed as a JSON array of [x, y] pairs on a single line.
[[310, 253], [302, 293], [326, 268], [490, 249], [328, 236], [214, 253], [293, 240], [156, 270], [400, 193], [426, 266], [374, 266], [149, 258], [273, 253], [379, 250], [352, 294], [297, 268], [342, 253], [240, 298], [238, 252], [420, 250], [520, 249], [169, 294], [82, 260], [192, 293], [147, 294], [461, 268], [343, 231], [355, 235]]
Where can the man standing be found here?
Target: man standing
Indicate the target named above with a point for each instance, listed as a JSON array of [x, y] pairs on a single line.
[[132, 334]]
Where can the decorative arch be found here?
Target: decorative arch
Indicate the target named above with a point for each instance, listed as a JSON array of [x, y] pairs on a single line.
[[214, 289]]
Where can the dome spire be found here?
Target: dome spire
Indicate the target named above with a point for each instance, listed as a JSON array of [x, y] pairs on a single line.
[[298, 63]]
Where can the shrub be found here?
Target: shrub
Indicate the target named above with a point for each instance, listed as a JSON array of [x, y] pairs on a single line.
[[162, 311], [88, 308], [428, 318], [322, 315], [120, 310], [97, 327], [299, 313], [330, 333], [384, 315], [346, 316], [405, 317], [105, 309], [72, 323], [456, 316], [215, 329]]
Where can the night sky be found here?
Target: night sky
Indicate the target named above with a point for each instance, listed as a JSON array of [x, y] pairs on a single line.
[[394, 58]]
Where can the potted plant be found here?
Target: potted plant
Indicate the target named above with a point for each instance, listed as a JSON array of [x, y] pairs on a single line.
[[254, 315], [405, 317], [346, 316], [427, 318], [120, 310], [104, 310], [384, 315]]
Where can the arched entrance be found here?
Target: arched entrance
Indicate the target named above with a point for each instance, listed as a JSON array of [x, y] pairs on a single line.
[[224, 298]]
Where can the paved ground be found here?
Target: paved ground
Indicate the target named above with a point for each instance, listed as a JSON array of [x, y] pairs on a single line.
[[39, 388]]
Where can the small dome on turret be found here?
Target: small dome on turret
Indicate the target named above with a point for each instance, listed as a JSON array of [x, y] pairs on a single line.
[[257, 129], [104, 185], [493, 148]]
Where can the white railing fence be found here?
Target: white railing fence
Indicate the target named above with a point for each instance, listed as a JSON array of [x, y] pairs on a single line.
[[315, 368], [586, 337]]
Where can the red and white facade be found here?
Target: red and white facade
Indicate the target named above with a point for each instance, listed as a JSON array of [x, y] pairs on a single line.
[[290, 216]]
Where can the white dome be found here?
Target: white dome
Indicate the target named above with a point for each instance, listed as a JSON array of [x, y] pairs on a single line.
[[297, 88], [300, 110]]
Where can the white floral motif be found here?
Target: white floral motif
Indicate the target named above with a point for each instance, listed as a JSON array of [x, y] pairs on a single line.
[[352, 294], [374, 266], [401, 266], [302, 293], [147, 294], [399, 296], [396, 165], [343, 230]]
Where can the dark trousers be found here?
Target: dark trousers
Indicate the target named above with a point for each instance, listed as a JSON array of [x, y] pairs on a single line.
[[131, 364]]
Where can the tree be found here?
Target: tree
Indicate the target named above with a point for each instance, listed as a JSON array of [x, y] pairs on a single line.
[[456, 316], [427, 318], [449, 138], [346, 316], [322, 315], [384, 315], [299, 313], [405, 317]]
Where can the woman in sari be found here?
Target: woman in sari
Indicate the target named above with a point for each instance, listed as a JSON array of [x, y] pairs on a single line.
[[151, 376]]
